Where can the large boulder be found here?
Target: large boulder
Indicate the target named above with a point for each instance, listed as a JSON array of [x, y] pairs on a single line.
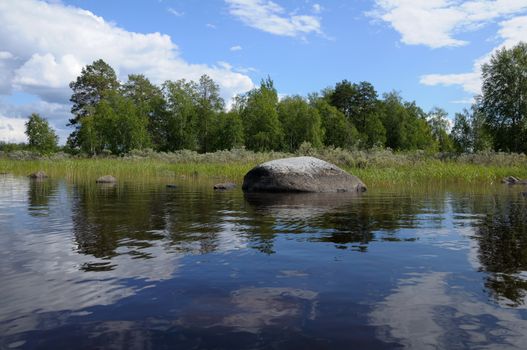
[[300, 174]]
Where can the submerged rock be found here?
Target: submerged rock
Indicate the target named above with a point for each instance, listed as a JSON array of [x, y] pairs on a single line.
[[300, 174], [171, 186], [512, 180], [38, 175], [106, 179], [225, 186]]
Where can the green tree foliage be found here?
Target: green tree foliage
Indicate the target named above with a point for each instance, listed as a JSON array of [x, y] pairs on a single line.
[[419, 133], [482, 139], [41, 136], [90, 87], [94, 82], [300, 123], [116, 125], [360, 105], [470, 133], [228, 131], [336, 129], [405, 124], [357, 101], [437, 119], [504, 97], [462, 132], [262, 127], [150, 104], [208, 105], [191, 115], [180, 97]]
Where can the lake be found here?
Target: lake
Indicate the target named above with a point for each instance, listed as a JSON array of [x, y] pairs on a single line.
[[143, 266]]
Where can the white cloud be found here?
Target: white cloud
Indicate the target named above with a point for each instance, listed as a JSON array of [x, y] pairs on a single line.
[[236, 48], [272, 18], [471, 82], [175, 12], [317, 8], [57, 115], [12, 129], [211, 26], [44, 46], [511, 31], [434, 23]]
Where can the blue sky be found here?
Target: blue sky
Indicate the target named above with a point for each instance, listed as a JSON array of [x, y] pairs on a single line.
[[430, 51]]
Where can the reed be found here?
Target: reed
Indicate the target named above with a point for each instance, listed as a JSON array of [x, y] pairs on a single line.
[[376, 167]]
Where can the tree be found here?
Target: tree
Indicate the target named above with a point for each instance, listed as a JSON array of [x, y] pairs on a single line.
[[395, 120], [504, 97], [94, 82], [228, 132], [208, 105], [405, 124], [337, 130], [90, 87], [115, 126], [357, 101], [437, 119], [419, 134], [41, 136], [150, 104], [180, 97], [262, 128], [481, 137], [300, 123], [462, 132]]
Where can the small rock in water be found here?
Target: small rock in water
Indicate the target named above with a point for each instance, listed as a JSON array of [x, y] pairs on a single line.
[[38, 175], [106, 179], [512, 180], [225, 186], [171, 186]]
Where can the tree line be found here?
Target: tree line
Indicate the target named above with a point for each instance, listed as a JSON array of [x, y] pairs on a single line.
[[116, 117]]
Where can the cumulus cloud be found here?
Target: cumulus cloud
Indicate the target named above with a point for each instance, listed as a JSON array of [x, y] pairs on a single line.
[[45, 45], [438, 23], [12, 129], [435, 23], [471, 82], [236, 48], [511, 32], [270, 17], [13, 118]]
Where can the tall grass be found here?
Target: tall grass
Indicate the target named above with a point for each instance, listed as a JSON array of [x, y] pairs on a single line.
[[374, 167]]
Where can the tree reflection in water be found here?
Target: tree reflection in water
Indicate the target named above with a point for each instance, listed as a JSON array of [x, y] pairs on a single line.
[[502, 238]]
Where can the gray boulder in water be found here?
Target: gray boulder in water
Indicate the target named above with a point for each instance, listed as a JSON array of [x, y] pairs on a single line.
[[300, 174], [39, 175], [106, 179], [225, 186], [511, 180]]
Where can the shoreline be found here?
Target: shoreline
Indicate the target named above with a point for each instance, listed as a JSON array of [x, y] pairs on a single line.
[[386, 173]]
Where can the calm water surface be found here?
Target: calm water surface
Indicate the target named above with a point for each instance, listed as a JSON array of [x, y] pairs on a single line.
[[148, 267]]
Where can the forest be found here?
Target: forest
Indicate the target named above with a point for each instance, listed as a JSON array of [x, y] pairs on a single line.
[[114, 117]]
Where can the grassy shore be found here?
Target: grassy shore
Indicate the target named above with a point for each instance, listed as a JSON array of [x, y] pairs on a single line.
[[377, 167]]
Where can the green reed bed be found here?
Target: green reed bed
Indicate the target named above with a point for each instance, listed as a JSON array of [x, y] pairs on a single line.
[[377, 167]]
